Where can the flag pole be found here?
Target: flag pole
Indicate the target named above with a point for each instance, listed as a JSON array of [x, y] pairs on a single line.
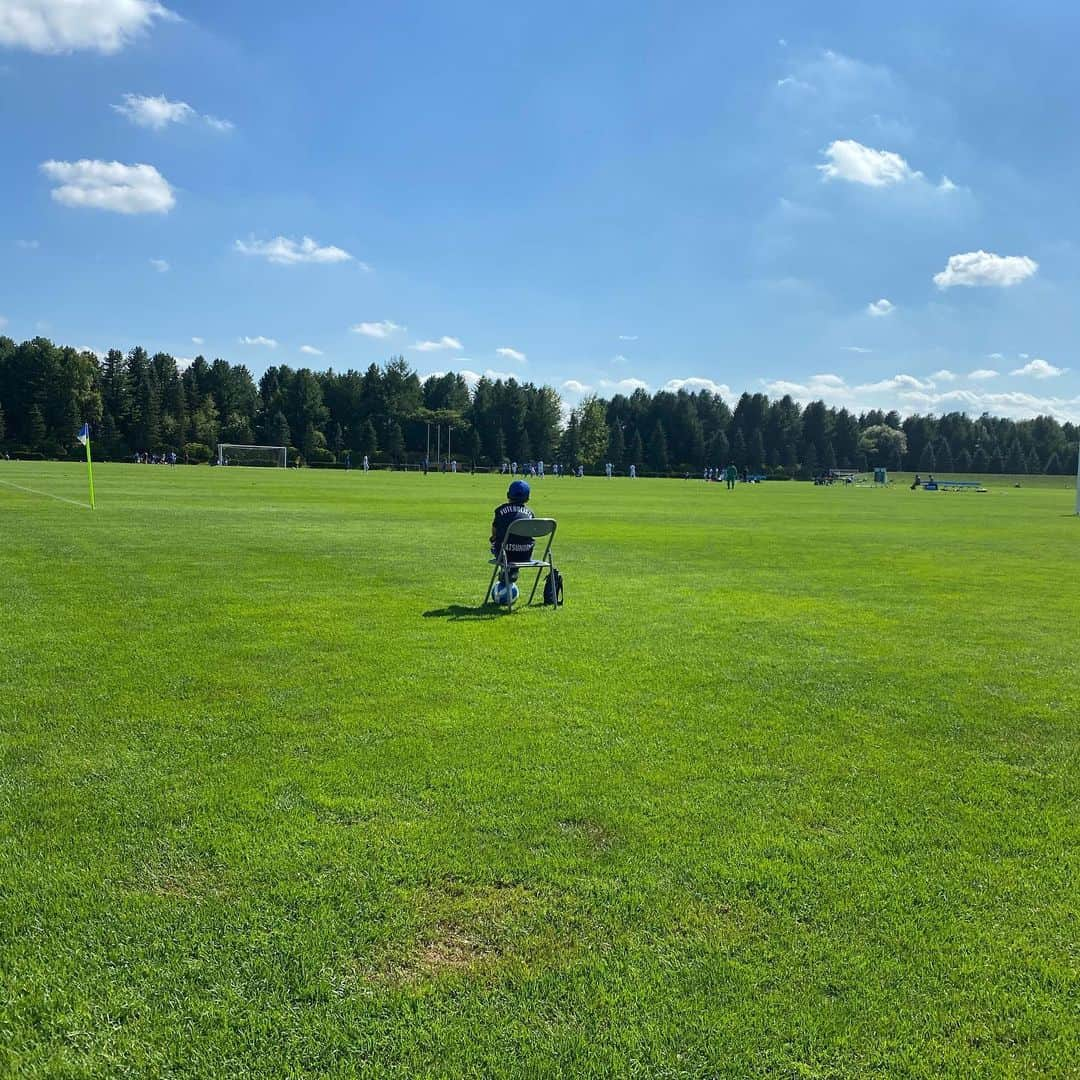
[[90, 471]]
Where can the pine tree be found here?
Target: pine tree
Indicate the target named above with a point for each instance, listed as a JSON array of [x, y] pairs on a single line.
[[35, 429], [472, 445], [963, 461], [369, 440], [719, 450], [1, 423], [756, 452], [1053, 465], [395, 442], [337, 438], [1034, 465], [944, 455], [111, 442], [980, 461], [277, 431], [927, 459], [829, 461], [658, 450], [997, 462], [636, 454], [616, 449], [738, 449], [1016, 462]]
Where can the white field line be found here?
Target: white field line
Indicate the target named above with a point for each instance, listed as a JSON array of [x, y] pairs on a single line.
[[47, 495]]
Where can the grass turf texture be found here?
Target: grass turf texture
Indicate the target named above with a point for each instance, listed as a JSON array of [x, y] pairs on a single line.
[[789, 788]]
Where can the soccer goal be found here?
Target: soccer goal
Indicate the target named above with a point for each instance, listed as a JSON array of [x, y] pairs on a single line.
[[264, 456]]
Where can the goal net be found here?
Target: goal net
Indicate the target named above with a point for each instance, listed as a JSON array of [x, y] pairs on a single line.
[[265, 456]]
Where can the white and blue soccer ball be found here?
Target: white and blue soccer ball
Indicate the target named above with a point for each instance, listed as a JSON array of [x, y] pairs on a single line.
[[499, 594]]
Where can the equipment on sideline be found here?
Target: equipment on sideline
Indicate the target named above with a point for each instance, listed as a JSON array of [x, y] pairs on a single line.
[[553, 588], [498, 593], [237, 454]]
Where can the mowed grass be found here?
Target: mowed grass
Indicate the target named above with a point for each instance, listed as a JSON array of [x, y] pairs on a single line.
[[787, 789]]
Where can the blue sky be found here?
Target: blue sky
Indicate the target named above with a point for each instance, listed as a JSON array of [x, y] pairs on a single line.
[[611, 195]]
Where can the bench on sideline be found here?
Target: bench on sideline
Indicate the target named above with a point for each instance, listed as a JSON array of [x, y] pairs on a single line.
[[955, 485]]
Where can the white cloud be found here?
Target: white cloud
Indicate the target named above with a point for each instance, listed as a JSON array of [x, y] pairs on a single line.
[[944, 375], [265, 342], [898, 382], [286, 252], [1014, 404], [511, 354], [789, 82], [471, 377], [158, 112], [855, 349], [60, 26], [982, 374], [996, 356], [310, 350], [197, 341], [946, 185], [628, 337], [160, 265], [376, 329], [154, 112], [850, 160], [445, 342], [979, 268], [1039, 369], [109, 185], [575, 387], [880, 308], [695, 383], [624, 386], [618, 358], [908, 394], [29, 245]]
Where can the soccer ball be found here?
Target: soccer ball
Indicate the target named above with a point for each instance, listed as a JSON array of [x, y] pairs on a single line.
[[498, 593]]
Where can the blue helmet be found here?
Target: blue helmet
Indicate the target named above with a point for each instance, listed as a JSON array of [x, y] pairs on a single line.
[[518, 492]]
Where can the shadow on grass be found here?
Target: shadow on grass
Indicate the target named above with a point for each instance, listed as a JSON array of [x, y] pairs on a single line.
[[459, 613]]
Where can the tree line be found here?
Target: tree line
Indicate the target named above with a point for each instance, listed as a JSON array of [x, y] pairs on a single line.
[[138, 403]]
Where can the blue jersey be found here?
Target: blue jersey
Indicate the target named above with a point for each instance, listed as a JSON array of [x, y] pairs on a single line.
[[521, 550]]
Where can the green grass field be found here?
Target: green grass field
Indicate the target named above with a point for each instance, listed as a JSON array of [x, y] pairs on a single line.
[[789, 788]]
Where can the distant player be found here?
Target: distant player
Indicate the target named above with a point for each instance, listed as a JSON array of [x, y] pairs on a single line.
[[608, 470], [633, 472], [731, 474], [540, 470], [367, 464]]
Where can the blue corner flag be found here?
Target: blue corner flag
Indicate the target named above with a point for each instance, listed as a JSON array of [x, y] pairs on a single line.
[[84, 438]]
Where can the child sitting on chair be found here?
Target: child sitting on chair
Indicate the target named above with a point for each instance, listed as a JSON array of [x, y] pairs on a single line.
[[522, 548]]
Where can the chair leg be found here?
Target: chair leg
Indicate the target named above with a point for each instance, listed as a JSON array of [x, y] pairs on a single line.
[[494, 575], [535, 583]]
